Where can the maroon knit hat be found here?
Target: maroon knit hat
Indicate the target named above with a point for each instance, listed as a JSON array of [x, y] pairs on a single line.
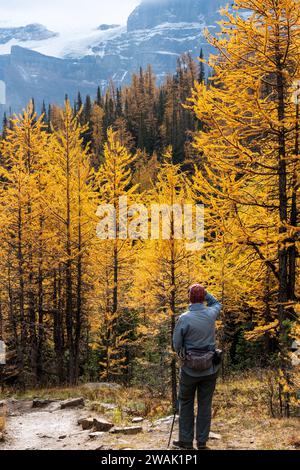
[[197, 294]]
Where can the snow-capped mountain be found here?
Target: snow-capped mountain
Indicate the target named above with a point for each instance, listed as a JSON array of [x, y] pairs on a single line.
[[151, 13], [36, 62], [32, 32], [73, 43]]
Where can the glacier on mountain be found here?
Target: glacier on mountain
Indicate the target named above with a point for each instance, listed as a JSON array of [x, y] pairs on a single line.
[[35, 62]]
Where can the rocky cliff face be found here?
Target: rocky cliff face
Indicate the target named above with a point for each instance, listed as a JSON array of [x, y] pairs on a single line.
[[29, 74], [157, 33], [31, 32], [151, 13]]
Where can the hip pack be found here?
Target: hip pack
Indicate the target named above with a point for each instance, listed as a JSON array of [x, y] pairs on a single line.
[[198, 359]]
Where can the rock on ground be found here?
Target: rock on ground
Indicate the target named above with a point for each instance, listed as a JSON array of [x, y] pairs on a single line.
[[72, 403], [94, 435], [127, 430], [102, 425], [137, 420], [40, 403], [166, 420], [18, 407], [86, 423]]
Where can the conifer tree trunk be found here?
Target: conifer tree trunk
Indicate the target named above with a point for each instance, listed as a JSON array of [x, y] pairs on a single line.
[[283, 216], [31, 293], [40, 301], [68, 274], [12, 318], [116, 278], [173, 308], [292, 251], [20, 258], [1, 321], [282, 188], [58, 325], [79, 283], [173, 313]]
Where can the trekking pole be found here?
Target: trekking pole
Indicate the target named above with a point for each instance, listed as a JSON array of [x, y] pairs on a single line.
[[181, 356], [173, 423]]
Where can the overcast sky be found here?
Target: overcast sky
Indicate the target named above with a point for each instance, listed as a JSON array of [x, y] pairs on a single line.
[[60, 15]]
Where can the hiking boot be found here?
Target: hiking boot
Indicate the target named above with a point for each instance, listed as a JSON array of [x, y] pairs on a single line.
[[183, 445], [202, 446]]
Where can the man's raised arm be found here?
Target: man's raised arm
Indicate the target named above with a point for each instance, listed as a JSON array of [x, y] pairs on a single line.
[[214, 305]]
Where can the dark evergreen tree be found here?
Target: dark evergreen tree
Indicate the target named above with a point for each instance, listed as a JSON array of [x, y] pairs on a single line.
[[201, 77], [79, 104], [49, 118], [99, 101], [87, 119], [44, 113], [4, 126], [119, 107]]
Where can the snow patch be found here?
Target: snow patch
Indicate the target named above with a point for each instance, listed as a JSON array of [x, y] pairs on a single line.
[[167, 53], [71, 44]]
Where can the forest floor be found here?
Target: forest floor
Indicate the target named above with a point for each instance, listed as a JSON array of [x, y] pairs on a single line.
[[241, 419]]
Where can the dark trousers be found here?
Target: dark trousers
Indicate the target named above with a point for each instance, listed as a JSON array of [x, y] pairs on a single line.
[[205, 387]]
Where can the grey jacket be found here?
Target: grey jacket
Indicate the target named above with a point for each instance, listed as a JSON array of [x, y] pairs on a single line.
[[195, 329]]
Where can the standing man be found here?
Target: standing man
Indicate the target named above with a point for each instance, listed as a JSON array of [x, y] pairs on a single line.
[[194, 339]]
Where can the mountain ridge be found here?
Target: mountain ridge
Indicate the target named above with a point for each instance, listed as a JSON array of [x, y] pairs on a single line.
[[32, 31], [158, 32]]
